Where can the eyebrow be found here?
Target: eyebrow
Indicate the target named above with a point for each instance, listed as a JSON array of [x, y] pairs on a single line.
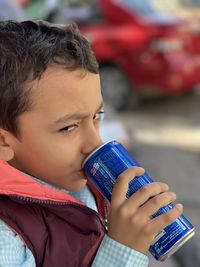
[[75, 116]]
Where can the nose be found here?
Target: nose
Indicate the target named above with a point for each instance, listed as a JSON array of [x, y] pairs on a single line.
[[91, 141]]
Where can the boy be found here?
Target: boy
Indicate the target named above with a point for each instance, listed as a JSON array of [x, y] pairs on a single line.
[[50, 112]]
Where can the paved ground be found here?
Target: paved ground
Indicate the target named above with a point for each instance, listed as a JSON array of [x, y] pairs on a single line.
[[166, 141]]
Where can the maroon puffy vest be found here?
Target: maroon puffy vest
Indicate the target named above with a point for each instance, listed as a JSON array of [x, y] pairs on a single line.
[[58, 229], [58, 235]]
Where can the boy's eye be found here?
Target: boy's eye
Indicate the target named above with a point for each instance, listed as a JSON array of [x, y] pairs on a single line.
[[69, 128], [99, 115]]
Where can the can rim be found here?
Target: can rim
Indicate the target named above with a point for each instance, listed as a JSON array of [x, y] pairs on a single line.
[[94, 151], [179, 243]]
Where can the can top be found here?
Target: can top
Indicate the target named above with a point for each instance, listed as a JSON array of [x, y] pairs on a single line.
[[94, 151]]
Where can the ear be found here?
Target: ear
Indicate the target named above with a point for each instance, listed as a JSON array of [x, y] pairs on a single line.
[[6, 151]]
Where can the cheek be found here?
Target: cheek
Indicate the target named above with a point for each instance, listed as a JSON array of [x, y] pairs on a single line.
[[50, 150], [61, 152]]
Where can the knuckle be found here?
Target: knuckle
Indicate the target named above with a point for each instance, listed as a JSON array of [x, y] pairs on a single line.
[[156, 201], [153, 188], [125, 175], [164, 198], [144, 189], [120, 177], [157, 188], [170, 196], [138, 170], [136, 220], [121, 181], [147, 230], [167, 196], [122, 212], [130, 173]]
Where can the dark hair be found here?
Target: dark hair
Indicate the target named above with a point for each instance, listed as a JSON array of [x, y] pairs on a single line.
[[26, 50]]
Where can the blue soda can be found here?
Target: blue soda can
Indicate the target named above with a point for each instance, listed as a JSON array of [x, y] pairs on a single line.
[[105, 164]]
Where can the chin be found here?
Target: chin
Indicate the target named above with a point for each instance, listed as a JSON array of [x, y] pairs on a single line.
[[79, 186]]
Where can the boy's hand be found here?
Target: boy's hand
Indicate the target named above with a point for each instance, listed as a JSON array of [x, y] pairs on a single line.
[[129, 219]]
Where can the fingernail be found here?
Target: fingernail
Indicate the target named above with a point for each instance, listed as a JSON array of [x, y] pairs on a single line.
[[141, 169], [173, 194], [179, 206]]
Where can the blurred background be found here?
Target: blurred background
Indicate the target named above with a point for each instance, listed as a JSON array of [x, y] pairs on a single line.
[[149, 56]]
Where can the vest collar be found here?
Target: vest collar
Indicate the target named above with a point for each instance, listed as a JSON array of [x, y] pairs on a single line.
[[15, 182]]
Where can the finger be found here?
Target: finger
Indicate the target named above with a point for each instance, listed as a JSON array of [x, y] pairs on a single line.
[[121, 186], [159, 223], [155, 203], [145, 193]]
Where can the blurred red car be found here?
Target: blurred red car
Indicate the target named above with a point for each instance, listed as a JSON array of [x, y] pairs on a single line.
[[141, 51]]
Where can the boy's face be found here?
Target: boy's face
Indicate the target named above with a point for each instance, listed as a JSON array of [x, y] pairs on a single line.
[[61, 129]]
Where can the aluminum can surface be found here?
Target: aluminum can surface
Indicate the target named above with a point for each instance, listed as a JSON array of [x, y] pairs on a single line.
[[104, 165]]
